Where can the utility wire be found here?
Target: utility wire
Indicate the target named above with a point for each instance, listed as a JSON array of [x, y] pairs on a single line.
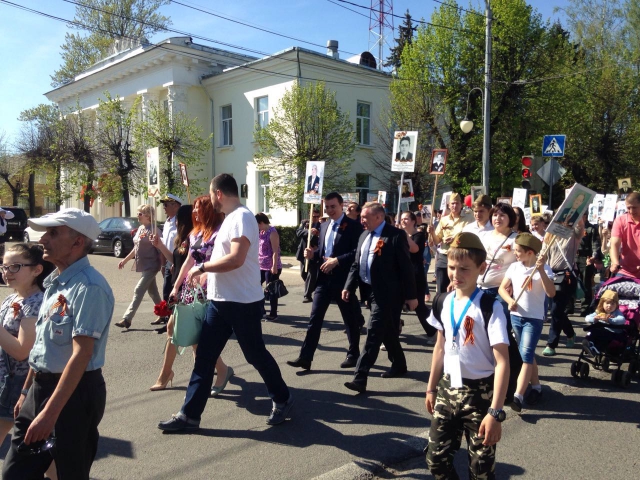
[[457, 7], [350, 9]]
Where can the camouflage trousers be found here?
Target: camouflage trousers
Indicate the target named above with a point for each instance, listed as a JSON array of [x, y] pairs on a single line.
[[458, 411]]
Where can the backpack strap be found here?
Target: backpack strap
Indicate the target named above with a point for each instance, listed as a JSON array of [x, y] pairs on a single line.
[[436, 308], [486, 306]]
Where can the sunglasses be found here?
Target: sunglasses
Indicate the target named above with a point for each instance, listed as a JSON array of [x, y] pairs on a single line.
[[36, 448], [15, 267]]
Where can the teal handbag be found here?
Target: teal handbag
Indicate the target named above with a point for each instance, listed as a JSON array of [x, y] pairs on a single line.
[[188, 320]]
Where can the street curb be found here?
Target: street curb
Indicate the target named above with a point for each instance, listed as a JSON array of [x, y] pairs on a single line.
[[365, 469]]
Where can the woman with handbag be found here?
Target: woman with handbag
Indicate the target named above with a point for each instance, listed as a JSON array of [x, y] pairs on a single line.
[[269, 257], [148, 262], [206, 223], [24, 270]]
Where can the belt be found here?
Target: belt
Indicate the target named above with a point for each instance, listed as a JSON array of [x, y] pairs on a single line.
[[54, 377], [473, 382]]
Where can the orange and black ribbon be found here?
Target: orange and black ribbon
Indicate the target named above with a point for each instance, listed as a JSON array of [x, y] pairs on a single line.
[[468, 329], [16, 309], [379, 246], [62, 302]]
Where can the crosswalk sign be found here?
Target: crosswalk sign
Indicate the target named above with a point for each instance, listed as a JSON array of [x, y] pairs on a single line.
[[553, 145]]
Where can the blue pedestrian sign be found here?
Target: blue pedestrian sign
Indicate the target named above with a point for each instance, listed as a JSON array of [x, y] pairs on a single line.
[[553, 145]]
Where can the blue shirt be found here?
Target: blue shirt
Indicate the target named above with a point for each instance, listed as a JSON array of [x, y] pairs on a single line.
[[86, 310], [366, 258]]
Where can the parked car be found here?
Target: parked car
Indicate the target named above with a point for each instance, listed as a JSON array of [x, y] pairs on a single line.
[[31, 235], [17, 225], [117, 236]]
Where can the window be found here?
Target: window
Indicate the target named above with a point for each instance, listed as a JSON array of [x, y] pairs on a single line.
[[41, 177], [227, 126], [263, 191], [362, 186], [50, 205], [363, 123], [262, 110]]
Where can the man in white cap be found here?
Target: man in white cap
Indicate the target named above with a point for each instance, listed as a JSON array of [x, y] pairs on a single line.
[[64, 396], [171, 204]]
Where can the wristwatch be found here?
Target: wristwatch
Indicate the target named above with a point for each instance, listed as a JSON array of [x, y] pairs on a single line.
[[24, 391], [201, 267], [499, 415]]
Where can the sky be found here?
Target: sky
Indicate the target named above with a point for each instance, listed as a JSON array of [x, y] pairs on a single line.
[[30, 44]]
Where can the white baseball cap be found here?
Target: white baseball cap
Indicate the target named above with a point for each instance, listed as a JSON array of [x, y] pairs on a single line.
[[74, 218], [8, 214]]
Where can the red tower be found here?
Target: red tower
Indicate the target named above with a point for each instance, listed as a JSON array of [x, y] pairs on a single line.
[[380, 28]]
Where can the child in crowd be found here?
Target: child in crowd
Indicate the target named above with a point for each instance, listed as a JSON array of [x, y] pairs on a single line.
[[607, 310], [475, 360], [528, 312]]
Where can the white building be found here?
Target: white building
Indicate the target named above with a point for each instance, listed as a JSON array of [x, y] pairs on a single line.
[[228, 93]]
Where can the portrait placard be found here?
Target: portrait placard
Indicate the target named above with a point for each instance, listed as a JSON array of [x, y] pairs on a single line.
[[621, 208], [382, 198], [593, 214], [406, 193], [313, 180], [153, 171], [571, 210], [535, 204], [519, 197], [476, 192], [438, 161], [183, 174], [444, 204], [372, 197], [504, 200], [403, 157], [609, 211], [599, 202]]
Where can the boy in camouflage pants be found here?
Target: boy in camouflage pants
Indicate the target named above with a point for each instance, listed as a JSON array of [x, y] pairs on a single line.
[[475, 361]]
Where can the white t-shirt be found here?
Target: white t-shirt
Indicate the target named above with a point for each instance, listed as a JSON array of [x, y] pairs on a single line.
[[477, 360], [504, 256], [531, 303], [479, 231], [169, 233], [241, 285]]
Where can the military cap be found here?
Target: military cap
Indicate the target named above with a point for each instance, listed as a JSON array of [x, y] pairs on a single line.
[[455, 197], [467, 240], [529, 241], [483, 200]]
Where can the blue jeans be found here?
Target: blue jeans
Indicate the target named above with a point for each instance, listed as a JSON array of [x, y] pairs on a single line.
[[527, 332], [223, 319]]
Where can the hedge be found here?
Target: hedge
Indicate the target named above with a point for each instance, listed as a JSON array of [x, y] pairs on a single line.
[[288, 240]]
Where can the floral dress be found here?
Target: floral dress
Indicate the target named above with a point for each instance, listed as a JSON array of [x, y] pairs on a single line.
[[200, 252], [12, 312]]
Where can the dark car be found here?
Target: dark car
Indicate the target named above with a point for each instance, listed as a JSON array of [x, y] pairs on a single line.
[[117, 235], [16, 226]]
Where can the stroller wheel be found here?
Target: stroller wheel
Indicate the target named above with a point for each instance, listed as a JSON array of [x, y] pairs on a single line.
[[575, 368], [606, 364], [625, 379], [584, 370], [616, 376]]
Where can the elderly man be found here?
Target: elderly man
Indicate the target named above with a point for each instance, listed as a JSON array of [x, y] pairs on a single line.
[[625, 239], [171, 204], [64, 395]]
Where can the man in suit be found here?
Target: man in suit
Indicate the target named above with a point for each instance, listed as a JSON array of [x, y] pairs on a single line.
[[382, 261], [625, 189], [311, 274], [404, 155], [335, 254], [438, 164], [570, 215], [313, 181]]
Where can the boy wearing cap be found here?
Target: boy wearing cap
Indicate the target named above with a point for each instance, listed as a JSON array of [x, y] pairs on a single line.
[[475, 360], [64, 394], [528, 313]]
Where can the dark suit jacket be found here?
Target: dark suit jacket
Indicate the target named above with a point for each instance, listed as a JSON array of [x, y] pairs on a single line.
[[564, 220], [313, 185], [344, 246], [437, 167], [408, 158], [392, 274], [302, 233]]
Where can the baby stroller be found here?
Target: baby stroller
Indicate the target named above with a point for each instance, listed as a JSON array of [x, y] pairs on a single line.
[[614, 345]]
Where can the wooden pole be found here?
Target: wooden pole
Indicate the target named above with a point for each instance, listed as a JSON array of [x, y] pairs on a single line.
[[188, 195], [551, 239], [399, 197], [433, 206], [306, 260]]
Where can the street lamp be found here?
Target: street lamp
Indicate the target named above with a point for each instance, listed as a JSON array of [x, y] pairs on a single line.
[[466, 125]]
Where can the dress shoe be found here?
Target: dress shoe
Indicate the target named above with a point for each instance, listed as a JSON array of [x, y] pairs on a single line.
[[356, 387], [161, 330], [393, 373], [349, 362], [307, 300], [160, 385], [300, 363], [216, 390], [159, 321], [279, 412], [179, 423], [124, 324]]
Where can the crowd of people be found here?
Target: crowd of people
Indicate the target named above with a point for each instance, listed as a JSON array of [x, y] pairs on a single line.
[[495, 285]]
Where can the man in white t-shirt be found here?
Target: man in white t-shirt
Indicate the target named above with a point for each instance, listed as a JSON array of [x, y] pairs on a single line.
[[235, 306]]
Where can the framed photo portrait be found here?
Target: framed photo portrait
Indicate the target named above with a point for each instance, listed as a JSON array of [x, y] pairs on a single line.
[[504, 200], [535, 204], [476, 192], [571, 210], [403, 157], [313, 181], [406, 191], [438, 161]]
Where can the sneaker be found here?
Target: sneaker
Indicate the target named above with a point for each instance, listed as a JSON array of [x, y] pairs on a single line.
[[270, 318], [279, 412], [383, 347], [549, 352], [516, 405], [533, 397], [431, 339], [179, 423], [571, 342]]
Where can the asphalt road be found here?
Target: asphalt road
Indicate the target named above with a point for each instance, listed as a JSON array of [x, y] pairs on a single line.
[[582, 428]]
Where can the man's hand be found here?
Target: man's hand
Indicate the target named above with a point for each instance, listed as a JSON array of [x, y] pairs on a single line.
[[329, 264], [308, 253], [448, 239], [41, 427], [412, 304], [345, 295], [192, 276], [490, 430], [513, 306], [430, 402], [315, 232]]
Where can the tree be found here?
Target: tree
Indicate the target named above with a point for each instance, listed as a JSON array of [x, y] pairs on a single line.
[[128, 21], [11, 169], [406, 32], [122, 167], [179, 139], [307, 126]]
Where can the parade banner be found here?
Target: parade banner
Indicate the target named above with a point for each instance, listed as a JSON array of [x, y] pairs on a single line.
[[571, 210], [403, 158], [314, 178], [153, 171]]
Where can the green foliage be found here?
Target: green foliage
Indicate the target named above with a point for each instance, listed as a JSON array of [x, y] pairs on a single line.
[[288, 240], [179, 140], [307, 126], [406, 32], [106, 20]]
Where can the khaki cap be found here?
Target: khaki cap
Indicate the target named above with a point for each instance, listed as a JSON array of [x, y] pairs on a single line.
[[529, 241], [467, 240]]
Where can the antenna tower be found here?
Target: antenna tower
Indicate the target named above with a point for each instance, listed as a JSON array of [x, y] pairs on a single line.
[[380, 28]]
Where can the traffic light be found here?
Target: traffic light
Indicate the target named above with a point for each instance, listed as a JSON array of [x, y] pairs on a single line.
[[527, 174]]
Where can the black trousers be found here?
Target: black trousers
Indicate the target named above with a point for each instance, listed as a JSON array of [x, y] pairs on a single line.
[[329, 290], [383, 327], [310, 278], [422, 311], [587, 273], [76, 430], [267, 277], [560, 322]]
